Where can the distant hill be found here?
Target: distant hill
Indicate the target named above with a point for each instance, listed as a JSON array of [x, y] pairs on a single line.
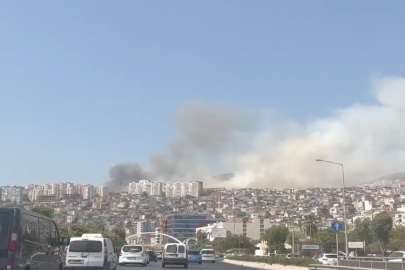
[[394, 176], [224, 177], [390, 177]]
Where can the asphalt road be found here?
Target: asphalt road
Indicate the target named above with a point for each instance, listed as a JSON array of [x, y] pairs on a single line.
[[219, 265]]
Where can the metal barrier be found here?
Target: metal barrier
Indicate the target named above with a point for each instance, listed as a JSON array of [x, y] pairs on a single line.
[[364, 263], [373, 264], [337, 267]]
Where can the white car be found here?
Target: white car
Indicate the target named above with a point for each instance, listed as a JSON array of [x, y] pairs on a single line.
[[328, 259], [135, 254], [396, 256], [208, 255], [90, 251]]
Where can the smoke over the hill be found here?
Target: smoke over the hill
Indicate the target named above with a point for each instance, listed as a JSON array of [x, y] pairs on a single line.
[[263, 148]]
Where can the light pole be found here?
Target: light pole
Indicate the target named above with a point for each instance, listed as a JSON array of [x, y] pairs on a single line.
[[344, 200]]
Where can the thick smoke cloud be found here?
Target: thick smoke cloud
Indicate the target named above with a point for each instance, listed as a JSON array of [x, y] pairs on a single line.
[[123, 174], [263, 148], [368, 139]]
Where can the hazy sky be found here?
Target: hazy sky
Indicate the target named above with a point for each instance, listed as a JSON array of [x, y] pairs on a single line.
[[88, 84]]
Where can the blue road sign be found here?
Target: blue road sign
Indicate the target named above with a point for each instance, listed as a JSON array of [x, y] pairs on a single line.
[[336, 226]]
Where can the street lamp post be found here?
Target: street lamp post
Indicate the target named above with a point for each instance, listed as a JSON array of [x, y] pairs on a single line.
[[344, 200]]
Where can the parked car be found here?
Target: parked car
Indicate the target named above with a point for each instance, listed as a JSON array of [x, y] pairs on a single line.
[[194, 256], [29, 241], [328, 259], [152, 256], [289, 256], [135, 254]]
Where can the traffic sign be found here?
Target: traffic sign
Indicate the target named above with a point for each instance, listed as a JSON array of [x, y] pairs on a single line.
[[336, 226], [356, 244], [313, 247]]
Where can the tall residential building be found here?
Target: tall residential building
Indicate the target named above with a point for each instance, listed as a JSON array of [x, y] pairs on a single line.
[[35, 193], [79, 189], [12, 193], [152, 188], [70, 188], [102, 191], [183, 189], [62, 189], [88, 192], [55, 191]]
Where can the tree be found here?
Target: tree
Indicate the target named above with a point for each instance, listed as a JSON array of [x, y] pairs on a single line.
[[324, 237], [382, 226], [43, 210], [232, 241], [117, 236], [310, 226], [362, 232], [275, 237], [397, 239]]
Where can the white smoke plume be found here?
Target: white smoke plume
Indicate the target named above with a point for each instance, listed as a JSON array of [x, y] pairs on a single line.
[[266, 149]]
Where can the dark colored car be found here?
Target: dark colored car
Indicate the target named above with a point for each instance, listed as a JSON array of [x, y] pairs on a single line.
[[29, 241], [152, 256], [158, 255], [194, 256]]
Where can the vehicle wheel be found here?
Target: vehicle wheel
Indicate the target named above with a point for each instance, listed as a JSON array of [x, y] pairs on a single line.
[[144, 264], [199, 262], [121, 264], [186, 266], [163, 265], [213, 261]]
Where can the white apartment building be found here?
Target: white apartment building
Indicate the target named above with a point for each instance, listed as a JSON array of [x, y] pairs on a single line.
[[12, 193], [253, 228], [62, 189], [102, 191], [70, 188], [88, 192], [183, 189], [152, 188]]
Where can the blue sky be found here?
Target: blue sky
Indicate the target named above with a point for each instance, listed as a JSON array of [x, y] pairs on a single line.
[[88, 84]]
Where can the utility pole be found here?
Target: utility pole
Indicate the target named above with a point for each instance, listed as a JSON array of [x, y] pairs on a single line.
[[293, 239]]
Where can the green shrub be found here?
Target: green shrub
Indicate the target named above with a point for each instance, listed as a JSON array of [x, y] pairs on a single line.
[[304, 262]]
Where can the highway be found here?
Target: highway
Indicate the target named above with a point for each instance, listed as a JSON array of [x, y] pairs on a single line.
[[205, 266]]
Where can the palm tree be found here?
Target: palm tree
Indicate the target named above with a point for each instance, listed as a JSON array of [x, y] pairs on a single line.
[[310, 226]]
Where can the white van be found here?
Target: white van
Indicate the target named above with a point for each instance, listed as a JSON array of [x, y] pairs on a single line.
[[208, 255], [91, 251], [135, 254], [175, 254]]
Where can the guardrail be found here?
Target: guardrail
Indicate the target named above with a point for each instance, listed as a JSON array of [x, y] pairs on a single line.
[[361, 263], [373, 264], [337, 267]]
